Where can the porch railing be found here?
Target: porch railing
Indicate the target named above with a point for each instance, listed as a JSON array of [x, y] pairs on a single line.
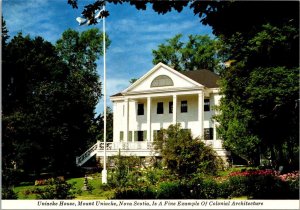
[[99, 146]]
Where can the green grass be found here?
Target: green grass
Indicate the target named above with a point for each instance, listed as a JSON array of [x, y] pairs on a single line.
[[230, 170], [21, 192], [96, 193]]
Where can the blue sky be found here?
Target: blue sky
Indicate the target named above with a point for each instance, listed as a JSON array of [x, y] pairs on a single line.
[[134, 33]]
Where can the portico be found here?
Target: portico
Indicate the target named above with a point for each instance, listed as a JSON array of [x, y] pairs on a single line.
[[154, 111]]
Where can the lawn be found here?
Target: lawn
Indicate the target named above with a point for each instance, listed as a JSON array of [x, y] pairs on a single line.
[[95, 192]]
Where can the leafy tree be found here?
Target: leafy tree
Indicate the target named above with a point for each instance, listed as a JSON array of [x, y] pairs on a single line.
[[4, 34], [49, 98], [99, 126], [80, 52], [184, 155], [29, 82], [131, 81], [259, 109], [199, 52]]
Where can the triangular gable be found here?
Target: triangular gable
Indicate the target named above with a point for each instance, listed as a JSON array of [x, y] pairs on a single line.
[[144, 83]]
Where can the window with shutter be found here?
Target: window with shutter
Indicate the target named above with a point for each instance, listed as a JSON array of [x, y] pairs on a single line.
[[208, 133], [140, 110], [121, 135], [160, 108], [171, 107], [206, 105], [184, 106]]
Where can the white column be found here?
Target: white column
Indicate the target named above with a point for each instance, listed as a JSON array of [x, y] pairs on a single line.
[[126, 120], [201, 112], [215, 130], [174, 109], [148, 118]]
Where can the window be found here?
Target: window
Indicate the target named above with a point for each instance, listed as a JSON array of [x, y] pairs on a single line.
[[171, 107], [141, 135], [206, 105], [157, 134], [121, 135], [184, 106], [187, 130], [160, 108], [162, 81], [129, 135], [208, 133], [140, 110]]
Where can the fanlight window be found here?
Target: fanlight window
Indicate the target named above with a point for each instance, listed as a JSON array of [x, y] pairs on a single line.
[[162, 81]]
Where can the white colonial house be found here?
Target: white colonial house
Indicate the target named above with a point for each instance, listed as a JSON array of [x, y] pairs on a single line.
[[163, 96]]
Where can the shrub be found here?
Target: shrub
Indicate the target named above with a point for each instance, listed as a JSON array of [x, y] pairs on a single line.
[[238, 186], [224, 190], [264, 184], [291, 180], [135, 193], [170, 190], [8, 193], [208, 189], [41, 182], [200, 187], [57, 189], [184, 155], [124, 173]]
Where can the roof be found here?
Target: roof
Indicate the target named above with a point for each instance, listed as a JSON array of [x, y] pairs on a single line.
[[118, 94], [205, 77]]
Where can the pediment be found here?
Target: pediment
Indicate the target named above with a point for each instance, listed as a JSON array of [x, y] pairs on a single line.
[[161, 76]]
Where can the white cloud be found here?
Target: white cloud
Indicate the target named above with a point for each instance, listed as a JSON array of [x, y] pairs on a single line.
[[35, 17]]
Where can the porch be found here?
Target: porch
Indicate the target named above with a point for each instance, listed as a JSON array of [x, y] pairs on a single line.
[[139, 149]]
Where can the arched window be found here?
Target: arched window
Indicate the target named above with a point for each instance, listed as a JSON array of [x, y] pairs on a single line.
[[162, 81]]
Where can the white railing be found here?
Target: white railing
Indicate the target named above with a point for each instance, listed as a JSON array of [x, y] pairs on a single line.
[[86, 155], [110, 146], [216, 144]]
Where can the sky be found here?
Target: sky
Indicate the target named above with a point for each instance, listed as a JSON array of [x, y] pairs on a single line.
[[133, 33]]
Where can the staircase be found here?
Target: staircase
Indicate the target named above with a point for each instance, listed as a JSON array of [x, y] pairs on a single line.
[[87, 155]]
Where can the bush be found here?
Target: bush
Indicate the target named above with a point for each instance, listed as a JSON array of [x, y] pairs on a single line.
[[263, 184], [224, 190], [238, 186], [57, 189], [202, 188], [184, 155], [8, 193], [170, 190], [208, 189], [125, 172], [135, 193]]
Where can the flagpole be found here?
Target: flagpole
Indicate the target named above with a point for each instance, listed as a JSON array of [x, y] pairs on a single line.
[[104, 171]]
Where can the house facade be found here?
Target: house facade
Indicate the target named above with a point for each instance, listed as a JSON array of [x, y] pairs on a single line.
[[163, 96]]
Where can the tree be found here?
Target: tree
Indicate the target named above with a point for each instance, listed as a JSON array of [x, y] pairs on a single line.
[[99, 126], [132, 80], [49, 97], [80, 51], [184, 155], [200, 52], [259, 110], [4, 34]]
